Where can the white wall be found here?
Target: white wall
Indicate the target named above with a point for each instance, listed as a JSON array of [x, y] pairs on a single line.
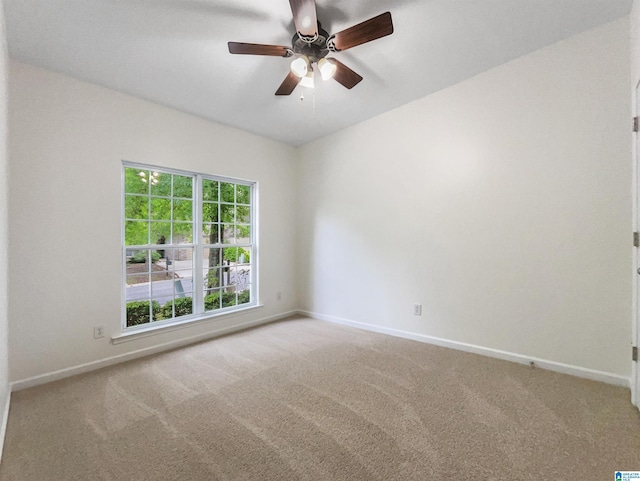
[[501, 204], [67, 141], [4, 250]]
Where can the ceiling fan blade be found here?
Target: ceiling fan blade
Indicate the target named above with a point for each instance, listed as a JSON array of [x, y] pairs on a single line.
[[259, 49], [304, 16], [364, 32], [290, 83], [344, 74]]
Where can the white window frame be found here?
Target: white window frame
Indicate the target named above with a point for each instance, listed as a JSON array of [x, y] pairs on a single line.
[[198, 246]]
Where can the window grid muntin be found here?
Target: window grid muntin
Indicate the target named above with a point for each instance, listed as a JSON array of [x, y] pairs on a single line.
[[224, 225], [197, 182]]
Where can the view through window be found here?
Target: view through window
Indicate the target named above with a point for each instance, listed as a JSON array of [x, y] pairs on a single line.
[[188, 245]]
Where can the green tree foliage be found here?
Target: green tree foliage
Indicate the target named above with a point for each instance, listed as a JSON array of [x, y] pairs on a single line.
[[157, 204], [226, 209], [233, 254]]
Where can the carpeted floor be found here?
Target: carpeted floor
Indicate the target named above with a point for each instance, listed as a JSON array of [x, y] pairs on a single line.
[[308, 400]]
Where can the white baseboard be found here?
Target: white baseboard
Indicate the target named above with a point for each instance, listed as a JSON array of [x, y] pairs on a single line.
[[5, 419], [92, 366], [578, 371]]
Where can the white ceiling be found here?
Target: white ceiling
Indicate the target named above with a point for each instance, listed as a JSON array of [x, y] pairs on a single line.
[[174, 52]]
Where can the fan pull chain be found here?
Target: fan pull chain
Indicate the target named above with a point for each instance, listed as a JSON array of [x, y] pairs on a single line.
[[313, 101]]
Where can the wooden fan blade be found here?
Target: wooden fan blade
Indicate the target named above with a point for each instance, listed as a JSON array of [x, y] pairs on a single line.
[[304, 16], [290, 83], [344, 74], [364, 32], [259, 49]]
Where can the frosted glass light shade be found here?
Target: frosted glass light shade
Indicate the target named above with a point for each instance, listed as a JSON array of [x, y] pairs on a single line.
[[307, 80], [327, 68]]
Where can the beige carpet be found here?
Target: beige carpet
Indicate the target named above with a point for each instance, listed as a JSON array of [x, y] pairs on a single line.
[[308, 400]]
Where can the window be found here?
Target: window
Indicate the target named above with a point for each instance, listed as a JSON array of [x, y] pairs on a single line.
[[189, 246]]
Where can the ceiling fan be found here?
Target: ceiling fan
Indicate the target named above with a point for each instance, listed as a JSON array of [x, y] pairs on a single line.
[[311, 44]]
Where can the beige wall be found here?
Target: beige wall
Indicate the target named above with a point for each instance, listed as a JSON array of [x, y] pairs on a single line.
[[67, 141], [501, 204], [4, 250]]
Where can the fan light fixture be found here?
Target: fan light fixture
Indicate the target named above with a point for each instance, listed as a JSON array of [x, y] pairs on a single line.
[[311, 43], [307, 80], [327, 68], [300, 66]]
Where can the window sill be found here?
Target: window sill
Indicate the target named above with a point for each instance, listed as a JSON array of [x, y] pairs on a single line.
[[151, 330]]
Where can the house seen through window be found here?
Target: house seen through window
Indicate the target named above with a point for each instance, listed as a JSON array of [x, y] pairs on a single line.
[[189, 245]]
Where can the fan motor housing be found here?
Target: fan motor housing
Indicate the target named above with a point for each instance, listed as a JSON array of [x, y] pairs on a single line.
[[314, 50]]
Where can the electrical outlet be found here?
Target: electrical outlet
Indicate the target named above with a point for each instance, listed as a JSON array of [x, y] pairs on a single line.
[[278, 296], [417, 309], [98, 332]]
